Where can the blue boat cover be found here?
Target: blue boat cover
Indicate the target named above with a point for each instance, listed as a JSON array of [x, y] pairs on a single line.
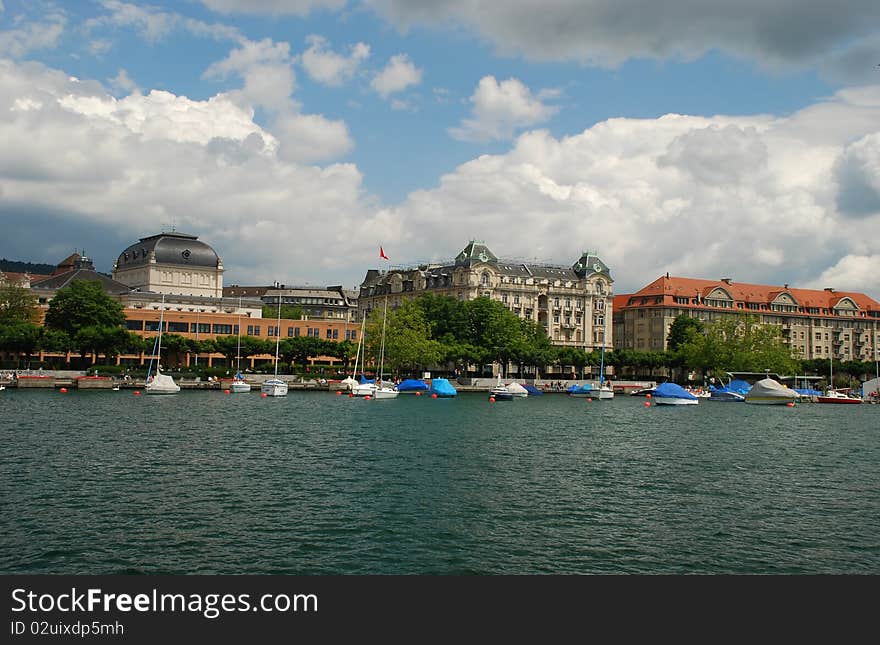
[[736, 385], [411, 385], [364, 379], [574, 389], [532, 390], [672, 391], [442, 387]]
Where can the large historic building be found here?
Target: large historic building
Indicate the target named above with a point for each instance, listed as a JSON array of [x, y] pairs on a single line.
[[572, 303], [329, 303], [815, 323], [173, 263]]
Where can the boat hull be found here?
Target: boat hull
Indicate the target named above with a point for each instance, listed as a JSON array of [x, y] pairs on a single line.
[[274, 388], [769, 400], [834, 399], [668, 400], [384, 393], [240, 386], [500, 395], [727, 397]]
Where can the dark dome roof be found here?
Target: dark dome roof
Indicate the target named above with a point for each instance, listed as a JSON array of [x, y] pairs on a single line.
[[169, 248]]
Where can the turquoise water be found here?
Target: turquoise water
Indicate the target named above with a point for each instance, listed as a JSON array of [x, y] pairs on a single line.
[[201, 482]]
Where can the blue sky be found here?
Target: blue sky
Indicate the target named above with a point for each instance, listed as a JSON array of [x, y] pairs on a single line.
[[295, 136]]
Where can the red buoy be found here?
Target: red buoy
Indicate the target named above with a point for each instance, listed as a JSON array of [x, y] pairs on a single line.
[[63, 390], [137, 393], [491, 399], [338, 393], [367, 398], [434, 396], [418, 394], [225, 391], [647, 404], [263, 394], [790, 404]]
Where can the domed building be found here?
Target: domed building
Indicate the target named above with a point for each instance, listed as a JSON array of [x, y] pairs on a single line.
[[172, 263]]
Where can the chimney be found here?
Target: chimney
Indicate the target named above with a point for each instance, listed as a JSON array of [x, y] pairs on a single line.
[[727, 280], [829, 289], [786, 286]]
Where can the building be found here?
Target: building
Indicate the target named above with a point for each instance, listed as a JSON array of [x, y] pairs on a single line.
[[171, 263], [819, 324], [572, 303], [330, 303]]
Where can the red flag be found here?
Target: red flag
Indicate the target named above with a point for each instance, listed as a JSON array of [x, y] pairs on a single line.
[[382, 253]]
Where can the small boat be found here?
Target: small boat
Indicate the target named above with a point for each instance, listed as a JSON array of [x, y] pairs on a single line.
[[442, 388], [500, 394], [275, 386], [384, 391], [839, 395], [645, 391], [517, 390], [411, 385], [770, 392], [673, 394], [532, 390], [160, 383], [734, 392], [239, 385], [580, 391]]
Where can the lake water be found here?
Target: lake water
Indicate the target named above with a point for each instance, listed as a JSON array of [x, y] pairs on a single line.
[[314, 483]]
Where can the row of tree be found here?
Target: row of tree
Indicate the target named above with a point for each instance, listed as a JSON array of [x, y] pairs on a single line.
[[423, 333]]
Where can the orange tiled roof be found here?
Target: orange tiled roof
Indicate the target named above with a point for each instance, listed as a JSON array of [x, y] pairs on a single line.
[[671, 287]]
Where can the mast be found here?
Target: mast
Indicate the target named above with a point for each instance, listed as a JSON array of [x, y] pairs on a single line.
[[277, 335], [382, 344], [602, 367], [161, 324], [238, 349]]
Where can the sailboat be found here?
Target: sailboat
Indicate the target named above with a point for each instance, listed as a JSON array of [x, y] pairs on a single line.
[[160, 383], [349, 382], [275, 386], [604, 392], [836, 395], [238, 383], [384, 391]]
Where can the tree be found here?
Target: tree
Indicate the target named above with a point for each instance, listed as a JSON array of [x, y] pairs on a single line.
[[18, 305], [20, 337], [683, 330], [288, 312], [110, 341], [408, 343], [83, 304]]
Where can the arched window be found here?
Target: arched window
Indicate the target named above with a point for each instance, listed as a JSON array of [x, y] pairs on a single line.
[[484, 279]]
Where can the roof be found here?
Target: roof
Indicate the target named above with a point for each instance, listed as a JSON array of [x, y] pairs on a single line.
[[56, 282], [20, 279], [168, 248], [664, 290]]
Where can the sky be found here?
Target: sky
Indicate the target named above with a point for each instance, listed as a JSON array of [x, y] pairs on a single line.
[[705, 139]]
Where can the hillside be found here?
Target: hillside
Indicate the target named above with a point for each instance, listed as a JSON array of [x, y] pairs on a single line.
[[16, 266]]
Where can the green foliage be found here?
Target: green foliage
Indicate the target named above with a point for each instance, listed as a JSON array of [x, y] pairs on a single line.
[[739, 344], [18, 305], [683, 330], [21, 337], [110, 341], [83, 304]]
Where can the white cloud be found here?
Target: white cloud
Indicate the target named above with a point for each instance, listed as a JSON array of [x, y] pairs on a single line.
[[122, 82], [499, 109], [328, 67], [398, 74], [266, 67], [309, 138], [30, 37], [150, 21], [273, 7], [850, 274], [88, 167]]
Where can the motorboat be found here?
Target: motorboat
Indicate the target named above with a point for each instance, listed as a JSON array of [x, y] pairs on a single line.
[[442, 388], [838, 396], [673, 394], [500, 394], [770, 392], [734, 392]]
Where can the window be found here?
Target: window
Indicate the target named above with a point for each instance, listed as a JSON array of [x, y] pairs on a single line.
[[179, 327], [253, 330], [329, 333], [134, 325], [221, 329], [484, 279], [516, 300]]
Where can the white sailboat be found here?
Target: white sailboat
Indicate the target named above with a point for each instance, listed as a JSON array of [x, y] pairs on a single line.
[[384, 391], [604, 392], [275, 386], [238, 383], [350, 382], [160, 383]]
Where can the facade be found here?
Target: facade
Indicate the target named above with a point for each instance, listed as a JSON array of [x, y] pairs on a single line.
[[572, 303], [817, 324], [330, 303], [171, 263]]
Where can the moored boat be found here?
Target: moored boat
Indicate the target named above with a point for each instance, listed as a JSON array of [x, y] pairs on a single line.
[[770, 392], [673, 394], [837, 396]]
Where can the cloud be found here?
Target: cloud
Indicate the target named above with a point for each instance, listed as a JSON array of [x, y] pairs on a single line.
[[122, 83], [328, 67], [309, 138], [499, 109], [154, 24], [273, 7], [266, 68], [858, 178], [29, 37], [647, 194], [606, 32], [398, 74], [93, 166], [849, 274]]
